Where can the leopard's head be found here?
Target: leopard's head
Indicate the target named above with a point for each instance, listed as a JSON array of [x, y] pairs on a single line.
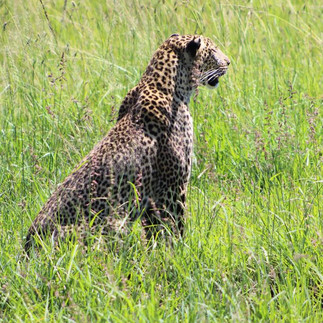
[[209, 61]]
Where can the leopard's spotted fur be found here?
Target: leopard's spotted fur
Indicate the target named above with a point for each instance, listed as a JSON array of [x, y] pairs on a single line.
[[142, 167]]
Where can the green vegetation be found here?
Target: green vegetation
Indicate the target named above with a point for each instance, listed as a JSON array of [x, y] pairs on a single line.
[[254, 240]]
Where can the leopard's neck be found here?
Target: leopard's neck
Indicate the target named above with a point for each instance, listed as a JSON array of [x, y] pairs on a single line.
[[170, 74]]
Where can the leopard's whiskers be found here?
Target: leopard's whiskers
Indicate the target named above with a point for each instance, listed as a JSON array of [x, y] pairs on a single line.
[[210, 74]]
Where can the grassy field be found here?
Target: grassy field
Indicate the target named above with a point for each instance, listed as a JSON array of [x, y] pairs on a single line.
[[253, 243]]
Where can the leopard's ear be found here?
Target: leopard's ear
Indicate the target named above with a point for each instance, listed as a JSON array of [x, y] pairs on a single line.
[[193, 46]]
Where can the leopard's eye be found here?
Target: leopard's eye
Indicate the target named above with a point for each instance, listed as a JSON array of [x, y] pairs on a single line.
[[213, 53]]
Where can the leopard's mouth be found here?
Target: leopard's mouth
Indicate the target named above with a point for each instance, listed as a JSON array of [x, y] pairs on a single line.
[[213, 80]]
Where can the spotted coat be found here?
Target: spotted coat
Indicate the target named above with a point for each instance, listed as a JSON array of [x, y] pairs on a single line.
[[142, 167]]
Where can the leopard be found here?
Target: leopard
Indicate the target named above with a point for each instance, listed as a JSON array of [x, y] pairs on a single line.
[[140, 170]]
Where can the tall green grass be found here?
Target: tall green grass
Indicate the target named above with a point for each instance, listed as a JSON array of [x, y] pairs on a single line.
[[253, 241]]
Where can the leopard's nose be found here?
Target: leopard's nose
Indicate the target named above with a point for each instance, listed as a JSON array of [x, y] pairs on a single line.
[[223, 62]]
